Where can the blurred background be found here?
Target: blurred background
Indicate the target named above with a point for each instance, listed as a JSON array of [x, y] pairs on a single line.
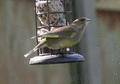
[[100, 45]]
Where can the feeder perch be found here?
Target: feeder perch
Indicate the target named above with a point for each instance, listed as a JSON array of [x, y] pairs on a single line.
[[50, 14]]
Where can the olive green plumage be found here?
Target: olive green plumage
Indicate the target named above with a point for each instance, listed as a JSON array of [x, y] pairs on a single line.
[[62, 37]]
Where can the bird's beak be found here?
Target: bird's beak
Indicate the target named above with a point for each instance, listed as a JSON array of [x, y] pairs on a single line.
[[88, 19]]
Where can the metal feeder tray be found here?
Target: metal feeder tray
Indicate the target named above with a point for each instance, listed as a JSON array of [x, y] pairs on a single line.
[[56, 59]]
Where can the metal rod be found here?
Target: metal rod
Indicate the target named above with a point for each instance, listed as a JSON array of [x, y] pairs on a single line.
[[48, 13], [40, 27], [36, 24], [54, 12]]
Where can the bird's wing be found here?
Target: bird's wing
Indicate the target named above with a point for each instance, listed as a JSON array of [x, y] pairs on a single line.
[[59, 32]]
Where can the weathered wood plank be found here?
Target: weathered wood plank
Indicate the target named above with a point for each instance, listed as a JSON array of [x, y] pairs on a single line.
[[108, 5], [17, 25]]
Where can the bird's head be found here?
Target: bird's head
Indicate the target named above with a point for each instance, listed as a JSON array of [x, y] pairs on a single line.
[[81, 21]]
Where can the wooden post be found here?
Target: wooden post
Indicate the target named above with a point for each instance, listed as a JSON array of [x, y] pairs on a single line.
[[90, 69]]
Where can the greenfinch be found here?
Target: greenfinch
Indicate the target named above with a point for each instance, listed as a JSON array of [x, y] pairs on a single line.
[[62, 37]]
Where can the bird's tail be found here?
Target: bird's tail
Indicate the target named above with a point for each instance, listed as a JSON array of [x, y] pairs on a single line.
[[40, 45]]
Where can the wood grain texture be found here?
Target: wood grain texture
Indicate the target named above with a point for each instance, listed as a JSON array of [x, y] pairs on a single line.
[[17, 25]]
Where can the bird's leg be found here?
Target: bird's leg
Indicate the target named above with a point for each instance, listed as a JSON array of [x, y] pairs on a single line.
[[51, 51]]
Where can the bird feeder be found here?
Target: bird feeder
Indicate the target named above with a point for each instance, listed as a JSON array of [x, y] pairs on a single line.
[[51, 14]]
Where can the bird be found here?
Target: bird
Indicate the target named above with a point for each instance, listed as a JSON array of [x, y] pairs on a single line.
[[62, 37]]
